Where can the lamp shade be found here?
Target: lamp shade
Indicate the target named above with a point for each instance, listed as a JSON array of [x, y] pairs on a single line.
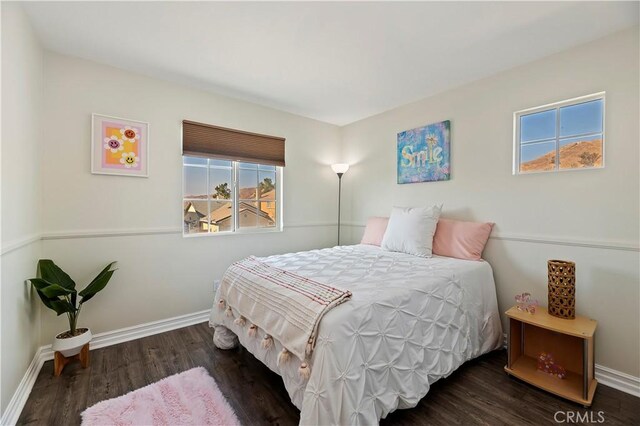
[[340, 168]]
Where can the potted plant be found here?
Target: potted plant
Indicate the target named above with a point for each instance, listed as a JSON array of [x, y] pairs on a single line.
[[58, 292]]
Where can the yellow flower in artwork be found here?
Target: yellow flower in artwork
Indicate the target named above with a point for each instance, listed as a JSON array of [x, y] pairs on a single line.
[[129, 160]]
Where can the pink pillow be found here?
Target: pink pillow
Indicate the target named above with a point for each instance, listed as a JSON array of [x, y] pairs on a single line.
[[462, 240], [373, 233]]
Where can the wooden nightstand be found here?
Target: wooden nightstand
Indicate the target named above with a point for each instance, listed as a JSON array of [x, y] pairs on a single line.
[[570, 341]]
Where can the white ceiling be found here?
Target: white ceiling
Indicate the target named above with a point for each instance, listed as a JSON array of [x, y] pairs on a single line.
[[335, 62]]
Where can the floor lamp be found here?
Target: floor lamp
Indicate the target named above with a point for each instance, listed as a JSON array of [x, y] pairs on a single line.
[[340, 169]]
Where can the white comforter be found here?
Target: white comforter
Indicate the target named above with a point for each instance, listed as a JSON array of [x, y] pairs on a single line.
[[410, 322]]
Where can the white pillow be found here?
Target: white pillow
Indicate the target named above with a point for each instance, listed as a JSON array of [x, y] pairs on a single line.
[[410, 230]]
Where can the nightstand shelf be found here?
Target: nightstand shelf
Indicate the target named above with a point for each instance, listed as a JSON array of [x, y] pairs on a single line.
[[570, 342]]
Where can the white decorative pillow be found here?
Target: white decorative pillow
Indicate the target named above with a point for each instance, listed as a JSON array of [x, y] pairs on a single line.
[[410, 230]]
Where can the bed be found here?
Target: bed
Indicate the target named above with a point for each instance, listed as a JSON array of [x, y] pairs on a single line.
[[410, 322]]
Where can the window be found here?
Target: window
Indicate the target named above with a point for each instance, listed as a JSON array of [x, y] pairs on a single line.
[[566, 135], [230, 196], [232, 180]]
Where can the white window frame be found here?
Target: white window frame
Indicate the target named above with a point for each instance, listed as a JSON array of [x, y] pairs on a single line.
[[235, 201], [556, 139]]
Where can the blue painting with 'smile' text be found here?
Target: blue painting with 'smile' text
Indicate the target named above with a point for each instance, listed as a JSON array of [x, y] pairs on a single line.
[[423, 153]]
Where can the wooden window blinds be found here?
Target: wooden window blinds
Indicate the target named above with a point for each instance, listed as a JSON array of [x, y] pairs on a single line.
[[205, 140]]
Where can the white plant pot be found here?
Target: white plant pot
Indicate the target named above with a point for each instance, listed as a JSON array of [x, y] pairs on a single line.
[[72, 345]]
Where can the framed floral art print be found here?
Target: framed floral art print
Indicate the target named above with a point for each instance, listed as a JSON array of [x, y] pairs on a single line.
[[119, 146]]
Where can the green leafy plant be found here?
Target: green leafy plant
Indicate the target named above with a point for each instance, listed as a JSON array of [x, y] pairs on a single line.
[[58, 291], [266, 185], [222, 191]]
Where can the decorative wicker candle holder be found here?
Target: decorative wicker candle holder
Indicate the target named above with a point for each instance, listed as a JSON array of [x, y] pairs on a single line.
[[562, 288]]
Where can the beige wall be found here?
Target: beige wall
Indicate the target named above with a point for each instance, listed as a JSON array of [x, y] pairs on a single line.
[[161, 273], [20, 176], [590, 216], [597, 207]]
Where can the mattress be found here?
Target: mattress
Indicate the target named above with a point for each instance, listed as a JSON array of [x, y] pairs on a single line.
[[411, 321]]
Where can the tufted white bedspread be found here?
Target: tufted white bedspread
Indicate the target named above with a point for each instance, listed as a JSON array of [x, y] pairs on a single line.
[[410, 322]]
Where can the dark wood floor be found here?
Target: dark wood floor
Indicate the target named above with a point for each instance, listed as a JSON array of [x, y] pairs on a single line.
[[479, 393]]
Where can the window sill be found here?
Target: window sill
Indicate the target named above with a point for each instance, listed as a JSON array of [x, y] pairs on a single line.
[[239, 232], [574, 169]]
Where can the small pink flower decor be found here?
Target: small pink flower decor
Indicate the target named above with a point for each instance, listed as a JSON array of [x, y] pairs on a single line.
[[525, 303], [547, 364]]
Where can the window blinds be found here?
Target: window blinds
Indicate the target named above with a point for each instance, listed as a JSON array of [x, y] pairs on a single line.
[[205, 140]]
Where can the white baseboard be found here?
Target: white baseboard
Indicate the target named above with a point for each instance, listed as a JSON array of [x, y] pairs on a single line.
[[19, 399], [122, 335], [100, 340], [613, 378], [618, 380], [607, 376]]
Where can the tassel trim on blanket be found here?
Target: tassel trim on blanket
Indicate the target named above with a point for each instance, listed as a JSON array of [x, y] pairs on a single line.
[[244, 285], [304, 371], [267, 342], [284, 356], [252, 331]]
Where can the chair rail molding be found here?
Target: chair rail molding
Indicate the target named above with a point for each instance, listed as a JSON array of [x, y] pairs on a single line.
[[98, 233], [523, 238], [545, 239], [19, 243]]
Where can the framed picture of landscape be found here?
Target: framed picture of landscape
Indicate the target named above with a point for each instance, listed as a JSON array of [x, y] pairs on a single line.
[[119, 146], [424, 153]]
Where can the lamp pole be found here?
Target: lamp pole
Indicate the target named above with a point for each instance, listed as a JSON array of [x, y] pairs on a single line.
[[339, 169], [339, 199]]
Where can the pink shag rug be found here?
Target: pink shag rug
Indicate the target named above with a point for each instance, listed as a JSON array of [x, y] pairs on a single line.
[[188, 398]]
